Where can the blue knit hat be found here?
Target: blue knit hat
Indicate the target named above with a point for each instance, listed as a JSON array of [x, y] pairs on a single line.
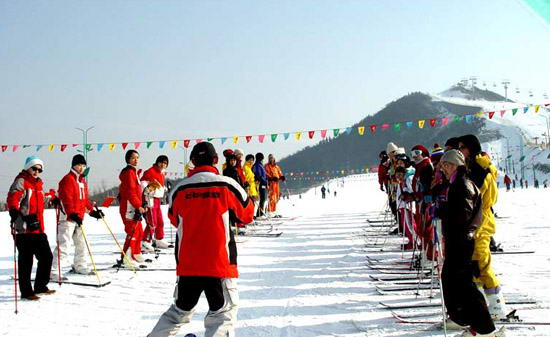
[[31, 161]]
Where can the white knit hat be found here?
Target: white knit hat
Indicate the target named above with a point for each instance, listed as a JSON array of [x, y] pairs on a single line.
[[31, 161], [391, 147], [238, 151], [454, 157], [400, 150]]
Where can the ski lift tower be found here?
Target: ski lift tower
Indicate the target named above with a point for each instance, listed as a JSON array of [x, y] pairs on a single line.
[[506, 83]]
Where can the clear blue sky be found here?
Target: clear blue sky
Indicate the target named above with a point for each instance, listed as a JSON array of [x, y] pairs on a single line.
[[141, 70]]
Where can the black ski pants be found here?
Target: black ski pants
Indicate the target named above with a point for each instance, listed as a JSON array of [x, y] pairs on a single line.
[[263, 197], [28, 247], [465, 304]]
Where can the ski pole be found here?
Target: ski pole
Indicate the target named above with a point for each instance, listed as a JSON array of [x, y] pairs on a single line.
[[15, 278], [116, 241], [90, 253], [57, 243]]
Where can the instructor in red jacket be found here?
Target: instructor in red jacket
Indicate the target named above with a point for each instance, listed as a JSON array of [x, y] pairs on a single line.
[[201, 208]]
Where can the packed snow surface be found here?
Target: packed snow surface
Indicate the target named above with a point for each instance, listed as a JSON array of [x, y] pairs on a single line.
[[311, 281]]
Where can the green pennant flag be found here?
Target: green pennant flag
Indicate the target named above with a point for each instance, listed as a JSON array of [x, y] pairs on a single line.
[[26, 146], [457, 119], [88, 147], [514, 111], [509, 156], [522, 158], [273, 137], [149, 144], [336, 132], [209, 139], [397, 126]]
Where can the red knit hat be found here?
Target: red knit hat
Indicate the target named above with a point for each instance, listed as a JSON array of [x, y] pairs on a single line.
[[423, 149]]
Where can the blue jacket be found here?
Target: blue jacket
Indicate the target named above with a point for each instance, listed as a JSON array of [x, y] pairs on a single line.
[[259, 173]]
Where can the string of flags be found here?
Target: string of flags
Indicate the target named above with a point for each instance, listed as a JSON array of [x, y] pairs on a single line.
[[273, 137], [297, 174]]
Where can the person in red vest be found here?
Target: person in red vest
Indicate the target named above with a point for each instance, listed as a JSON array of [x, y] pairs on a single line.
[[202, 208], [73, 196], [132, 207], [153, 181], [507, 182], [26, 208]]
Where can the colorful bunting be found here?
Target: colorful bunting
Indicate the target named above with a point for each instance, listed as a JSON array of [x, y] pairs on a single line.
[[63, 147], [409, 124], [347, 131], [273, 137], [385, 126], [372, 128], [235, 139], [502, 112], [51, 147], [38, 147], [525, 109], [468, 118], [421, 123], [335, 132], [323, 133], [174, 144], [223, 140], [112, 146], [99, 147], [124, 145], [310, 134], [537, 107], [248, 138], [286, 135], [161, 144], [15, 147], [361, 130], [444, 121], [514, 111], [397, 126], [137, 145], [199, 140], [298, 135], [4, 148], [261, 138], [491, 114], [432, 122], [186, 143]]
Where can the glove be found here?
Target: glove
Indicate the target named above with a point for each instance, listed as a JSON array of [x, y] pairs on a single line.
[[282, 178], [14, 215], [246, 185], [32, 222], [272, 179], [55, 202], [137, 216], [382, 187], [75, 218], [97, 214]]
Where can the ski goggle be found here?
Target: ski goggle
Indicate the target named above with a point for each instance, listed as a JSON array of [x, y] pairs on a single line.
[[36, 169], [416, 153]]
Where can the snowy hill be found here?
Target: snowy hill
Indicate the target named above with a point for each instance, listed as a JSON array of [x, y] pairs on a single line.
[[313, 281]]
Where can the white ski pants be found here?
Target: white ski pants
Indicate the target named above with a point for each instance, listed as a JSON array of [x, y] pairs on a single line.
[[68, 231], [222, 296]]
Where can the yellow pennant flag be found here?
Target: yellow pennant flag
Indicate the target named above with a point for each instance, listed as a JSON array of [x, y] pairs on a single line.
[[235, 139], [361, 130], [421, 123], [174, 144], [298, 135], [480, 114], [537, 107], [50, 147], [112, 146]]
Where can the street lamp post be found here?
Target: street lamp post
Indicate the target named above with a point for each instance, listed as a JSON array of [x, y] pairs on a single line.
[[85, 141]]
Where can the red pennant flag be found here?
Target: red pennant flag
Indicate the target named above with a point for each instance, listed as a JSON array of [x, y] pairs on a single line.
[[432, 122], [261, 138], [491, 114], [108, 201], [186, 143], [137, 145], [385, 126], [502, 112], [373, 128], [310, 134], [124, 146], [75, 145], [248, 138], [63, 147], [444, 120], [4, 148], [323, 133], [198, 140], [15, 147]]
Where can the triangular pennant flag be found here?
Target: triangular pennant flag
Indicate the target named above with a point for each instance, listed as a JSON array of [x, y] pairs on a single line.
[[174, 144], [198, 140], [522, 158], [310, 134], [99, 147], [480, 114], [273, 137], [491, 114], [124, 145], [51, 147], [4, 148], [348, 131], [112, 146], [457, 119], [38, 147], [525, 109], [209, 139], [223, 140], [26, 146], [421, 123], [502, 112], [444, 120], [137, 145], [336, 132], [186, 143], [372, 128], [514, 111], [161, 144], [88, 147], [432, 122], [361, 130], [298, 135], [149, 144], [537, 107], [261, 138], [235, 139], [385, 126], [323, 133], [248, 138], [75, 145], [468, 118], [409, 124], [14, 148], [63, 147], [397, 126], [286, 135]]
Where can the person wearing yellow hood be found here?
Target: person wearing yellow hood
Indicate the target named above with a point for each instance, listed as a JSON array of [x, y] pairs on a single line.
[[484, 174]]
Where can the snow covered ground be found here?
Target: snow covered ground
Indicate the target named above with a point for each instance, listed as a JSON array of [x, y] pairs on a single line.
[[311, 281]]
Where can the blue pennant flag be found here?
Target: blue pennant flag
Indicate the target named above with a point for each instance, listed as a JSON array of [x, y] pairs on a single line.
[[468, 118], [348, 131], [38, 147], [223, 139], [99, 147], [525, 109], [161, 144], [287, 135], [409, 124]]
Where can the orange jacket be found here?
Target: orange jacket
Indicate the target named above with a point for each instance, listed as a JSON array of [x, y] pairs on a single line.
[[273, 172]]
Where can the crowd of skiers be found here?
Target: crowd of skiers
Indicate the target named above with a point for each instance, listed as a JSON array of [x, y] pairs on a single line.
[[446, 196], [140, 197]]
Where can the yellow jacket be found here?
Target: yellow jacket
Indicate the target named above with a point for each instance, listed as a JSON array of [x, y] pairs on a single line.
[[489, 196], [249, 175]]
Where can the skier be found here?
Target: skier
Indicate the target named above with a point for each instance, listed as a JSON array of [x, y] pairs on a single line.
[[206, 254], [514, 184], [74, 204], [437, 153], [26, 209], [483, 173], [536, 183], [239, 154], [383, 170], [230, 169], [545, 183], [154, 187], [404, 174], [132, 207], [460, 216], [323, 192], [261, 179], [274, 175], [422, 182], [507, 182]]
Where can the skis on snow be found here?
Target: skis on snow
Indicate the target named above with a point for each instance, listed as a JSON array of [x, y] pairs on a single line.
[[512, 319]]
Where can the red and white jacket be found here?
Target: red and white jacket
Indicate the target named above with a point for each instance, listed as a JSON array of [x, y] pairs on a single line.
[[73, 193], [26, 196], [154, 174], [201, 207], [130, 192]]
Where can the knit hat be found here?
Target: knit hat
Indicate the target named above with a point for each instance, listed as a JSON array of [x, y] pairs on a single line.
[[31, 161], [78, 159], [454, 157], [391, 147], [437, 152], [228, 152], [452, 142], [472, 143], [436, 148], [238, 152], [400, 150], [423, 149]]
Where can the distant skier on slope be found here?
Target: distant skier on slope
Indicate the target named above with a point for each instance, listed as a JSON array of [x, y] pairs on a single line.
[[323, 192], [206, 252], [261, 182]]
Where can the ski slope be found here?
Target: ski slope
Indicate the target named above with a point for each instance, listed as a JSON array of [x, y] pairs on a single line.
[[311, 281]]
